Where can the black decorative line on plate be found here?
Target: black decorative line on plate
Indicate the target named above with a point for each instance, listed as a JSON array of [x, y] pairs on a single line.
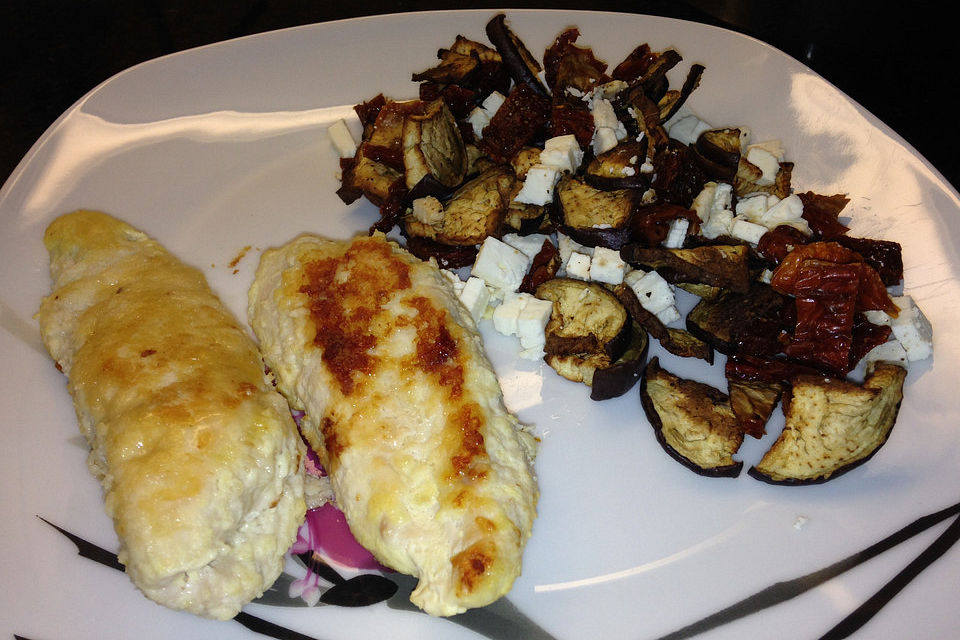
[[499, 620], [783, 591]]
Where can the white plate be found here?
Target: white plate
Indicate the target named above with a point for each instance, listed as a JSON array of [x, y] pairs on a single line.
[[223, 147]]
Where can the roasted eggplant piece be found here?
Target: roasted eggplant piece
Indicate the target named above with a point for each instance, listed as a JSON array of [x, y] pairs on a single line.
[[676, 341], [567, 65], [520, 63], [588, 329], [433, 146], [693, 422], [472, 213], [717, 153], [591, 216], [454, 68], [369, 178], [622, 375], [619, 168], [734, 322], [832, 426], [724, 266]]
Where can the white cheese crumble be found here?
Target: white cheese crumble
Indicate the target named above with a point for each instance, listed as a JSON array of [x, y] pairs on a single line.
[[342, 139], [539, 185], [500, 265], [563, 152], [607, 266]]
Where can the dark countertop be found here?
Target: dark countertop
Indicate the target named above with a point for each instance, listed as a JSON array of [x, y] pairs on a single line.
[[898, 64]]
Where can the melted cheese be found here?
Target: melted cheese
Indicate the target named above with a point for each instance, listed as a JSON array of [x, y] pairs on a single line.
[[199, 458], [433, 473]]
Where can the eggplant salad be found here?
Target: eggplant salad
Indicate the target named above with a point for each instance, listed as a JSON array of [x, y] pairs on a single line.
[[571, 204]]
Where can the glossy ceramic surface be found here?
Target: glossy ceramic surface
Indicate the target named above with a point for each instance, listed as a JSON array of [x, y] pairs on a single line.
[[221, 152]]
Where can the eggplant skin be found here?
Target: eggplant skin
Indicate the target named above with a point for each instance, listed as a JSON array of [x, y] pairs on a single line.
[[832, 426], [621, 376], [693, 422]]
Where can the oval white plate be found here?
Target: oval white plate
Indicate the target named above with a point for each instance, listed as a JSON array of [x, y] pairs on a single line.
[[222, 148]]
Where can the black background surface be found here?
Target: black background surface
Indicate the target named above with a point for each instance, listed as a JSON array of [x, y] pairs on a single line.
[[898, 61]]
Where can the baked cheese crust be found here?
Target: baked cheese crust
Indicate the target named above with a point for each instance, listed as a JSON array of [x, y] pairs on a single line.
[[198, 455], [432, 472]]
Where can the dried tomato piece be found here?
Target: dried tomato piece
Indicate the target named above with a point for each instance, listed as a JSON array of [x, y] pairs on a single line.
[[459, 99], [883, 255], [775, 244], [578, 120], [751, 368], [635, 65], [872, 294], [826, 298], [678, 177], [567, 65], [369, 110], [822, 213], [650, 224], [521, 117]]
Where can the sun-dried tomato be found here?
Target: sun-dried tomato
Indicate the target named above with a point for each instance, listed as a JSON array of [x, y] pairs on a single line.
[[460, 100], [822, 213], [826, 298], [678, 178], [650, 224], [369, 110], [522, 116], [872, 294], [883, 255], [567, 65], [750, 368], [775, 244], [635, 65], [578, 120]]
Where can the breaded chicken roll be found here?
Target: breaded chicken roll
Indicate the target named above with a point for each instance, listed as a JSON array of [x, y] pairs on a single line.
[[198, 455], [433, 473]]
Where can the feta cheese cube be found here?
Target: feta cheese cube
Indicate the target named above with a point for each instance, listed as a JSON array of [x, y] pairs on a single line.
[[493, 102], [532, 321], [703, 203], [677, 233], [718, 225], [686, 127], [475, 297], [912, 329], [566, 246], [507, 314], [652, 290], [765, 161], [530, 244], [563, 152], [478, 120], [607, 266], [342, 139], [788, 211], [668, 315], [539, 184], [500, 265], [752, 207], [604, 139], [747, 231], [891, 351], [578, 266]]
